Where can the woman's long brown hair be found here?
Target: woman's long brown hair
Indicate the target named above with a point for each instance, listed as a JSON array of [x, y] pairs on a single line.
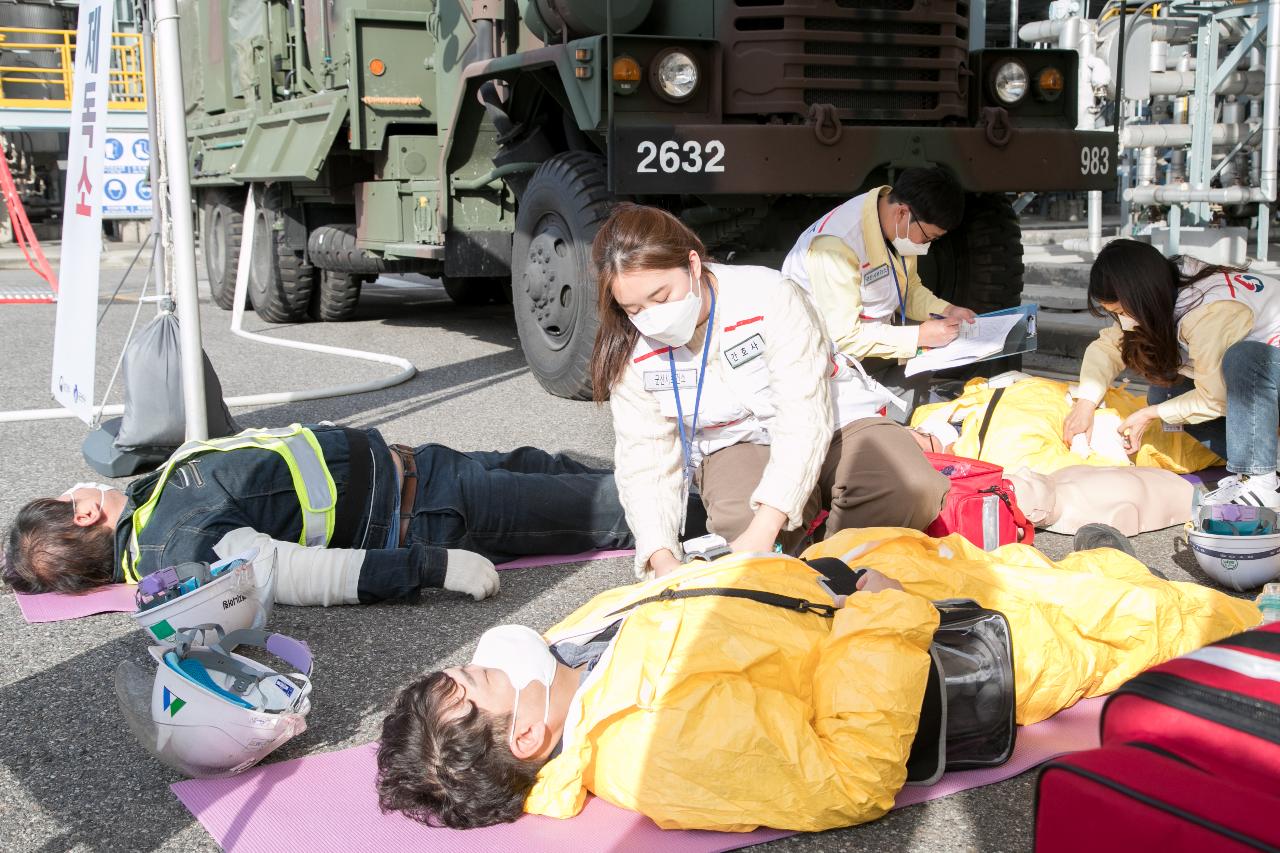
[[1146, 284], [634, 238]]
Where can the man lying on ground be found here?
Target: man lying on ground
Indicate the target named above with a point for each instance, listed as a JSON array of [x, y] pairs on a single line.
[[727, 714], [356, 520]]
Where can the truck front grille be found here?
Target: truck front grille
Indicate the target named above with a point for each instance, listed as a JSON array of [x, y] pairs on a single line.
[[875, 61]]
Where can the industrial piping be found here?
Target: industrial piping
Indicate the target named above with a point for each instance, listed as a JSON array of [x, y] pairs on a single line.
[[1266, 191]]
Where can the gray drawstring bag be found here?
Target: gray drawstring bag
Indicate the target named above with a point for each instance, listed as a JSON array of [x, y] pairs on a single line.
[[154, 423]]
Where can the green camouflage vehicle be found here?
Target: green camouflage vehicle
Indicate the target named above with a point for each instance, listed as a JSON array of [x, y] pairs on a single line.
[[483, 141]]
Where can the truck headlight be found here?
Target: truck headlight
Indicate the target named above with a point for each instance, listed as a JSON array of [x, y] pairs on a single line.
[[1009, 82], [675, 75]]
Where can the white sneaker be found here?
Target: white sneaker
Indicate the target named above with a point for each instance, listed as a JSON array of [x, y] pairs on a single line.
[[1243, 491], [1229, 480]]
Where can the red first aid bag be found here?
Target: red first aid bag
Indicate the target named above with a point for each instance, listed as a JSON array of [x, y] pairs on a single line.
[[980, 505], [1136, 796], [1190, 759], [1217, 707]]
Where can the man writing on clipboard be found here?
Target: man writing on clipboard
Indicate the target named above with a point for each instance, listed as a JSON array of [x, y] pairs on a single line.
[[859, 263]]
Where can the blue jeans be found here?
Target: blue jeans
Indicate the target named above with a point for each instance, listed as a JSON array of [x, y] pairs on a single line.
[[509, 505], [1246, 437]]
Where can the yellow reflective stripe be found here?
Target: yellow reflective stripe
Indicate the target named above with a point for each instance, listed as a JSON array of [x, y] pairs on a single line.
[[297, 446]]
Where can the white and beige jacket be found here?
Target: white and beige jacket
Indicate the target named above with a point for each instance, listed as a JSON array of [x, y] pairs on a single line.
[[771, 378]]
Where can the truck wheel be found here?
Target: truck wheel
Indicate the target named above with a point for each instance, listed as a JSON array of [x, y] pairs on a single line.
[[338, 296], [280, 280], [477, 291], [221, 226], [553, 288], [979, 265]]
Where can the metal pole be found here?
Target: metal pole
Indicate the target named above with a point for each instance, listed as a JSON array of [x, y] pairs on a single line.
[[1270, 129], [1122, 173], [977, 25], [173, 114], [153, 137], [1013, 23]]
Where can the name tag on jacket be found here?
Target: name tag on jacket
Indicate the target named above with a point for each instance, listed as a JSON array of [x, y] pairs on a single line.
[[751, 348], [660, 380]]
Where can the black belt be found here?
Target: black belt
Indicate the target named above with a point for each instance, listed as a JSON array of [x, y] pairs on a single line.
[[353, 499]]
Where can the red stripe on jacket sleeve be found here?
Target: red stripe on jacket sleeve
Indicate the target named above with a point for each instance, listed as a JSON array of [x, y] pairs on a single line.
[[662, 351], [746, 322]]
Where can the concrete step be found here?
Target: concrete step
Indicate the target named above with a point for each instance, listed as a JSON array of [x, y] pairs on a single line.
[[1056, 297]]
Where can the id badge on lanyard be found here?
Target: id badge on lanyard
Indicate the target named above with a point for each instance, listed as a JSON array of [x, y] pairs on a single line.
[[686, 441]]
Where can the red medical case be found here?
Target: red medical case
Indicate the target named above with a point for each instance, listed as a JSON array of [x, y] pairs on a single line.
[[1190, 759], [1133, 797]]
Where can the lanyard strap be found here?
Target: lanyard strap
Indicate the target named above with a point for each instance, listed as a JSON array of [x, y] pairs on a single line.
[[686, 441], [897, 288]]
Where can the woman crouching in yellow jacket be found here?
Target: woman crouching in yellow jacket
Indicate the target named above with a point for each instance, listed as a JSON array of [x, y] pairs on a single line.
[[728, 714]]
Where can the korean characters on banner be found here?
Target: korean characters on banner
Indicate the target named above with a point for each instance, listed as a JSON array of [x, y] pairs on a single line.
[[75, 337]]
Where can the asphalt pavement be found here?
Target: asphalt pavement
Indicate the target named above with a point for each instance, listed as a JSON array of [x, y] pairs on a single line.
[[71, 775]]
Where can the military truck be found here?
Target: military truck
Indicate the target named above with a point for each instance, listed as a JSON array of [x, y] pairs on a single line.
[[484, 141]]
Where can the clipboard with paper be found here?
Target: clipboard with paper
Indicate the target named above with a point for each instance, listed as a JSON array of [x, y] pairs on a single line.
[[997, 334]]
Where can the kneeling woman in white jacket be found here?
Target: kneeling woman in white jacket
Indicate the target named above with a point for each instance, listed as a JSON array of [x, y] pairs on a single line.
[[720, 377]]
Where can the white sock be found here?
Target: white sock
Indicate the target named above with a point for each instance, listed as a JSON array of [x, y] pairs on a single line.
[[1264, 481]]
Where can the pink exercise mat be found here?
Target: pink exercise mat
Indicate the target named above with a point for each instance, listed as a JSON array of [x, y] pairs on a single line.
[[118, 597], [327, 802], [56, 606]]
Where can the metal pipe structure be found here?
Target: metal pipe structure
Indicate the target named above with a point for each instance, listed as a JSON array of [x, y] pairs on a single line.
[[173, 113], [1265, 193], [1164, 135], [1270, 126], [1038, 31], [153, 163], [1184, 83]]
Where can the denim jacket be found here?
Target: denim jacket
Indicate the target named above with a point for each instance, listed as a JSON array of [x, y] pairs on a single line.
[[209, 495]]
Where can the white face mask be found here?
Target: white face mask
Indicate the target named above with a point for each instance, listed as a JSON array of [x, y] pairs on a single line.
[[102, 488], [523, 656], [1126, 322], [905, 245], [671, 322]]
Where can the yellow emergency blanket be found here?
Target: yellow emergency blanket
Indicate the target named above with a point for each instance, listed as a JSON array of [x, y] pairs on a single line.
[[1026, 429], [719, 713]]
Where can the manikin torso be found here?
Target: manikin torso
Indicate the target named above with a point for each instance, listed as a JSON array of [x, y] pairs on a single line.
[[1133, 500]]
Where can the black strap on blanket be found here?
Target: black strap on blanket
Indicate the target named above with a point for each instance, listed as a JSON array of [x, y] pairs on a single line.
[[355, 496], [786, 602], [986, 419]]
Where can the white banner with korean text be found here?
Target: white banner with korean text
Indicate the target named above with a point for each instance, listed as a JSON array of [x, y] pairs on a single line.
[[75, 337]]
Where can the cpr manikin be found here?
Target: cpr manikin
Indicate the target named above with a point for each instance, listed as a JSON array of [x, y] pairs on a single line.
[[1131, 499]]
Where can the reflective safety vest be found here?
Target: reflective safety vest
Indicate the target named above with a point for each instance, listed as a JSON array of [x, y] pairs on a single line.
[[297, 446]]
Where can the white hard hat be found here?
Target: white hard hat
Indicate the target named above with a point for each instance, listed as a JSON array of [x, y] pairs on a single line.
[[239, 597], [207, 712], [1237, 546]]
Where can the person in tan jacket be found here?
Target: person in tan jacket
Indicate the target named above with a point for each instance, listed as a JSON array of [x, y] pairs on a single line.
[[720, 376], [859, 261], [1206, 339]]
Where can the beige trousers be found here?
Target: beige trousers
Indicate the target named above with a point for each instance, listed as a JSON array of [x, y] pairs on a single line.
[[874, 475]]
